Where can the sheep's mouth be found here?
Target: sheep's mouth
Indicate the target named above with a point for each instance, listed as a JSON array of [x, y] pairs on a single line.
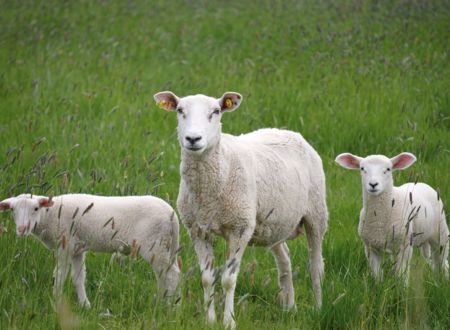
[[194, 148], [373, 191]]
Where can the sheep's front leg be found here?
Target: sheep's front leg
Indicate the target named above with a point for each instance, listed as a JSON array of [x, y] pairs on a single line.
[[205, 255], [374, 259], [236, 248], [286, 295], [402, 263], [60, 273], [79, 278]]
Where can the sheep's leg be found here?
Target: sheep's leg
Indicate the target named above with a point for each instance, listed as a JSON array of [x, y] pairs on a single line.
[[236, 248], [79, 278], [286, 295], [374, 260], [205, 255], [402, 263], [314, 236], [425, 250], [60, 274], [439, 258]]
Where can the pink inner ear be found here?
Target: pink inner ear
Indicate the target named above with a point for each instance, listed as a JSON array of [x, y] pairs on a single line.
[[349, 161], [402, 161], [45, 202]]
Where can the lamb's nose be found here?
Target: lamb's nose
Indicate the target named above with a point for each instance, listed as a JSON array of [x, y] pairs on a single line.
[[373, 185], [193, 139], [22, 229]]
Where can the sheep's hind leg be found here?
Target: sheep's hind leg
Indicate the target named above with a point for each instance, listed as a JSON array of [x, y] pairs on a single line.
[[79, 278], [286, 294], [236, 248], [314, 235]]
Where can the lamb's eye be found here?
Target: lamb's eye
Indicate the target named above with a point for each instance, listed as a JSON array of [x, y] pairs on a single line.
[[36, 208], [362, 168], [388, 169], [180, 111], [216, 111]]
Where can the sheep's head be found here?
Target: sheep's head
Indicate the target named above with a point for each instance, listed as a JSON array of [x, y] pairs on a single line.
[[199, 117], [376, 170], [26, 210]]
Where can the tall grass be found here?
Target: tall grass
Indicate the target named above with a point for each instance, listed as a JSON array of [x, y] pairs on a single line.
[[77, 115]]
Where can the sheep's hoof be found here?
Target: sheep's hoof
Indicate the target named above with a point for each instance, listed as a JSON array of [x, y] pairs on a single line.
[[229, 323], [86, 304], [286, 300], [211, 317]]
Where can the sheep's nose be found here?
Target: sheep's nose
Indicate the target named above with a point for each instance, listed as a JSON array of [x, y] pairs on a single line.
[[22, 229], [193, 139], [373, 185]]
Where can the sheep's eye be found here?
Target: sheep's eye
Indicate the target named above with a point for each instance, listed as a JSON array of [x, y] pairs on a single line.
[[388, 169], [180, 111], [216, 111], [362, 168], [36, 208]]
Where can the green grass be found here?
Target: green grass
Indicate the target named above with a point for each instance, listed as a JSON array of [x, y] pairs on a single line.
[[77, 115]]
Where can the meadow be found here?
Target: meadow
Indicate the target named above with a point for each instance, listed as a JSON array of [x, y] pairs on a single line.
[[77, 114]]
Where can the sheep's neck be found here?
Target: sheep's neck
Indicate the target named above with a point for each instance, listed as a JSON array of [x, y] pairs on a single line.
[[42, 229], [205, 172], [378, 210]]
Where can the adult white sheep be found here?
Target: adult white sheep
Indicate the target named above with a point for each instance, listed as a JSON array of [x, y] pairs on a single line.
[[75, 223], [394, 219], [255, 188]]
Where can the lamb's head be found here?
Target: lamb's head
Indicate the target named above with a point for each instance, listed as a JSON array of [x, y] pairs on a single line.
[[26, 210], [376, 170], [199, 117]]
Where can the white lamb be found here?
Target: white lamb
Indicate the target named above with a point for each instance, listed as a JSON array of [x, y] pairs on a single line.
[[257, 188], [75, 223], [394, 219]]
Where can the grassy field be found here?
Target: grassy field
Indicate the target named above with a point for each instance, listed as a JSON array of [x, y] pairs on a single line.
[[77, 115]]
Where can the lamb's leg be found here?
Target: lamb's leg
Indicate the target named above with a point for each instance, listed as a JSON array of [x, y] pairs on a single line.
[[402, 263], [425, 250], [236, 247], [374, 260], [79, 278], [205, 254], [60, 273], [314, 235], [439, 258], [286, 295]]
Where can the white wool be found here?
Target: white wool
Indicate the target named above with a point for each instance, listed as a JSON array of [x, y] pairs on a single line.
[[258, 188], [394, 219], [75, 223]]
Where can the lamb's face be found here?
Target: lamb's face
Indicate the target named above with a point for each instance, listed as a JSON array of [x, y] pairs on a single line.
[[199, 126], [26, 211], [376, 170], [376, 174]]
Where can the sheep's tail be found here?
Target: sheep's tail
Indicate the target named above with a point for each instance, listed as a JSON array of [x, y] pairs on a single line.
[[175, 238]]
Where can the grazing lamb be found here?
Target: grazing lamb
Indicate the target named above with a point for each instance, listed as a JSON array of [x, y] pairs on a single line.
[[257, 188], [394, 219], [75, 223]]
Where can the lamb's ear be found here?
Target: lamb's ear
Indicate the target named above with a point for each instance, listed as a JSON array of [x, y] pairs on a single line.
[[166, 100], [230, 101], [403, 160], [6, 204], [348, 161], [45, 201]]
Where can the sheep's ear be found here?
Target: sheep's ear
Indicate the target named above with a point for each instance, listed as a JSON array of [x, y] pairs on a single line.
[[403, 160], [45, 201], [230, 101], [166, 100], [6, 204], [348, 161]]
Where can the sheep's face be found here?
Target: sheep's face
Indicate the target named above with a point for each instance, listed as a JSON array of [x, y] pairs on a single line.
[[199, 117], [376, 170], [26, 211]]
